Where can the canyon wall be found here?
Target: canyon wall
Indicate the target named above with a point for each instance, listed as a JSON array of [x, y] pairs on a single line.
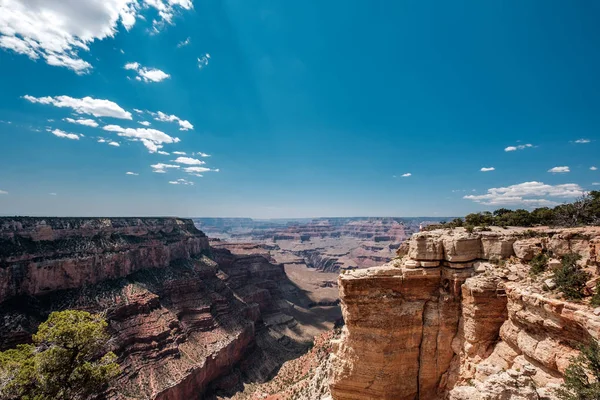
[[457, 315], [181, 314]]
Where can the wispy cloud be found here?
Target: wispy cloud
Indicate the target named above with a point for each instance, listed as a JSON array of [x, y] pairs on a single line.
[[145, 123], [201, 154], [518, 147], [182, 182], [52, 194], [179, 153], [86, 105], [592, 168], [184, 43], [147, 74], [406, 175], [65, 135], [197, 171], [203, 60], [115, 144], [487, 169], [131, 173], [3, 192], [188, 161], [153, 139], [82, 121], [164, 153], [559, 170], [184, 125], [161, 168], [582, 141], [527, 194]]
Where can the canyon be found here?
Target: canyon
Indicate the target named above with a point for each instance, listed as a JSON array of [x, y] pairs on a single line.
[[449, 313], [458, 315], [186, 320]]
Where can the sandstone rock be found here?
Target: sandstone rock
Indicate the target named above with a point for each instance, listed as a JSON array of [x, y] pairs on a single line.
[[526, 249], [508, 336], [462, 247], [550, 283]]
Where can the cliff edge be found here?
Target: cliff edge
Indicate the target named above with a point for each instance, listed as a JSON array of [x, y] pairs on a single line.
[[459, 316]]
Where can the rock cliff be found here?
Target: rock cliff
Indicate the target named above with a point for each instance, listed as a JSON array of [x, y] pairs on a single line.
[[181, 314], [458, 316]]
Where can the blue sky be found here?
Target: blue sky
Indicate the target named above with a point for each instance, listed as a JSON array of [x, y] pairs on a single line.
[[296, 109]]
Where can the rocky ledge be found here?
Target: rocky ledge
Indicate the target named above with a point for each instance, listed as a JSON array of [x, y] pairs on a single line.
[[458, 316]]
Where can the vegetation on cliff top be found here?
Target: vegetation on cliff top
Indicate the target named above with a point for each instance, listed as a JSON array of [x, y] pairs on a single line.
[[67, 360], [583, 211], [582, 377]]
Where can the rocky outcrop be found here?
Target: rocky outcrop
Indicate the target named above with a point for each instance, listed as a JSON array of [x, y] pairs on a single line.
[[180, 313], [457, 315]]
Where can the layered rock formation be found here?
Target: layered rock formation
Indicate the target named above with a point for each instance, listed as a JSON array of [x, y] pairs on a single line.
[[326, 244], [457, 315], [178, 319]]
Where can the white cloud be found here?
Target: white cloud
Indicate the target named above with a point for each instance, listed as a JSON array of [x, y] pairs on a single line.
[[592, 168], [3, 192], [179, 153], [582, 141], [58, 31], [184, 43], [203, 61], [132, 66], [518, 147], [596, 184], [487, 169], [198, 170], [183, 124], [200, 154], [182, 182], [82, 121], [147, 74], [101, 140], [527, 193], [188, 161], [406, 175], [559, 170], [153, 139], [87, 105], [164, 153], [65, 135], [52, 194], [116, 144], [161, 168], [138, 111], [131, 173], [145, 123]]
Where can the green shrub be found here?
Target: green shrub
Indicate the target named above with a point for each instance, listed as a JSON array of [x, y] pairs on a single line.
[[538, 264], [582, 376], [68, 360], [469, 228], [570, 278], [595, 301]]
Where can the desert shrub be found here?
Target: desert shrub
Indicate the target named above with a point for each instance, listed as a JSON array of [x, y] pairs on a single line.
[[67, 360], [582, 376], [595, 301], [469, 228], [570, 278], [538, 264]]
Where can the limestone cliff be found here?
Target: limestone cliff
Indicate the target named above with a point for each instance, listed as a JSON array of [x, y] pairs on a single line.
[[180, 314], [458, 316]]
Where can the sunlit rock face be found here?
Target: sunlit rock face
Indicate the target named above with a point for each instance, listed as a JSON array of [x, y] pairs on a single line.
[[178, 318], [458, 316]]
